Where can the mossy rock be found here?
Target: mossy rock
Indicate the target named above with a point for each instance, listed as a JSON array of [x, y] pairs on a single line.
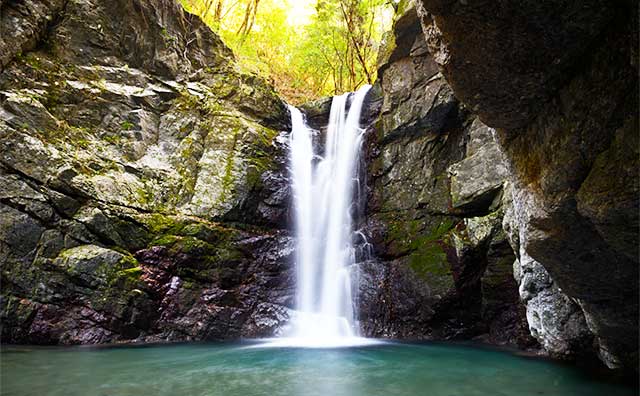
[[423, 246], [164, 229], [429, 260]]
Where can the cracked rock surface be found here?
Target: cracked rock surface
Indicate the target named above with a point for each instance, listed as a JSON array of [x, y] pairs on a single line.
[[143, 193]]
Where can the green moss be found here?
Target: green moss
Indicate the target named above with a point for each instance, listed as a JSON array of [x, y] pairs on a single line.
[[81, 263], [402, 7], [259, 162], [387, 46], [127, 125], [68, 134], [254, 176], [168, 38], [33, 61], [125, 275], [158, 223], [128, 262], [144, 196], [51, 72], [207, 232], [190, 153], [101, 84], [205, 256], [22, 311], [185, 129], [434, 235], [167, 228], [186, 101], [113, 139], [187, 285], [131, 273], [227, 178], [424, 250], [124, 288], [193, 245], [401, 231], [165, 240], [428, 258]]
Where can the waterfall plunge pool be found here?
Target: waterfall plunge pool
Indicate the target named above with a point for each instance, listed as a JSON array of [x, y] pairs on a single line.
[[245, 369]]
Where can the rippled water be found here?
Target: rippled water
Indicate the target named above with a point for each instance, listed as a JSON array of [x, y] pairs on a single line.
[[233, 369]]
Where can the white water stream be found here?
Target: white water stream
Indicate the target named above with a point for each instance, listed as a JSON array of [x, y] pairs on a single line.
[[323, 189]]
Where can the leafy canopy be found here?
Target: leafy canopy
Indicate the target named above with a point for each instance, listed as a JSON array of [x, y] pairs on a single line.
[[307, 49]]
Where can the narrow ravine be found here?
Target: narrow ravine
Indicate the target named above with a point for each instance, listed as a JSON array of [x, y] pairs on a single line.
[[457, 226]]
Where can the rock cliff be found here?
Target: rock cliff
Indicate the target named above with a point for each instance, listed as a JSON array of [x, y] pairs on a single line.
[[559, 83], [435, 208], [143, 193]]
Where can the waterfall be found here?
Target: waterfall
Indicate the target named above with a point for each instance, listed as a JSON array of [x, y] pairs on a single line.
[[323, 188]]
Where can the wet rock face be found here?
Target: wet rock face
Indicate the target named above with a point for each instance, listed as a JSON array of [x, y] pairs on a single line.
[[554, 320], [559, 83], [435, 209], [142, 182]]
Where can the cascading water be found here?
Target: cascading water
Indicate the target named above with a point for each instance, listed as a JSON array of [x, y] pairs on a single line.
[[323, 187]]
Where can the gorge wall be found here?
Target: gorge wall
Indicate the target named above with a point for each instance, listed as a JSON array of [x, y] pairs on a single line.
[[435, 208], [145, 195], [467, 244], [559, 83]]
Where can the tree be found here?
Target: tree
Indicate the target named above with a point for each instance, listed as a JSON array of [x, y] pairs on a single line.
[[346, 34], [332, 51]]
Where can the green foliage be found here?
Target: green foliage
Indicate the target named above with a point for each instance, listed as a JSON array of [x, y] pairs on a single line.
[[127, 125], [306, 51]]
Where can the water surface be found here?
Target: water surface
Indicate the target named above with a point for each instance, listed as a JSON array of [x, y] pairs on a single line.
[[245, 370]]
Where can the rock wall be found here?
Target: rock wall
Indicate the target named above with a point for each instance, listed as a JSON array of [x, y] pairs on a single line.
[[444, 267], [143, 194], [559, 82]]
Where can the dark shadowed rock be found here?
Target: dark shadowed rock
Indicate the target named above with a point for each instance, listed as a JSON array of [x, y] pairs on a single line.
[[434, 211], [317, 112], [559, 82], [23, 24], [507, 59]]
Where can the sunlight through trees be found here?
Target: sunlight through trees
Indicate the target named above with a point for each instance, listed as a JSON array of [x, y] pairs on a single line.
[[306, 49]]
